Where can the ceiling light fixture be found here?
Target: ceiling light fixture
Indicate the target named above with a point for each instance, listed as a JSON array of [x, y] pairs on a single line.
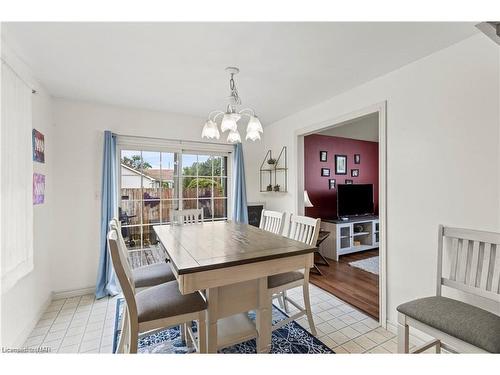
[[231, 117]]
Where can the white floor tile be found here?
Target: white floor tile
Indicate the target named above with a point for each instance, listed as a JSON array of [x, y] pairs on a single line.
[[361, 327], [352, 347], [365, 342], [69, 349], [92, 345], [350, 332], [338, 337], [377, 337], [379, 350], [340, 350], [85, 325]]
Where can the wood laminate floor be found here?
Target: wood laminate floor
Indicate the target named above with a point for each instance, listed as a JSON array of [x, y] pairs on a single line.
[[355, 286]]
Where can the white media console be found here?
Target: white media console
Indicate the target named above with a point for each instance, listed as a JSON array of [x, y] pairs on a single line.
[[349, 236]]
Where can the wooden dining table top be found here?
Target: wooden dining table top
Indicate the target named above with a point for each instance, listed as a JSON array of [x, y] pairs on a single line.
[[220, 244]]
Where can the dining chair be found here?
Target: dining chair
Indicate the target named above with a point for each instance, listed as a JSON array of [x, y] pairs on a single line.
[[272, 221], [303, 229], [155, 308], [190, 216], [144, 276]]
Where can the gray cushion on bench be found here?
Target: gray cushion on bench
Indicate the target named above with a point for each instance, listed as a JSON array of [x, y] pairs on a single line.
[[458, 319]]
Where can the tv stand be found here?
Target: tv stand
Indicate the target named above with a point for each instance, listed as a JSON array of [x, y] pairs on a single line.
[[357, 233]]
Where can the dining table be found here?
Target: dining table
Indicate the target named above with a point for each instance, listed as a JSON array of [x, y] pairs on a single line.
[[230, 262]]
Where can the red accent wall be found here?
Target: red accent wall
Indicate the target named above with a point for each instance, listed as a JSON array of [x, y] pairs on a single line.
[[323, 199]]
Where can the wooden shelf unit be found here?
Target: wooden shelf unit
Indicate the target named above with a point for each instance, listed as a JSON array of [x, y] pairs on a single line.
[[274, 174]]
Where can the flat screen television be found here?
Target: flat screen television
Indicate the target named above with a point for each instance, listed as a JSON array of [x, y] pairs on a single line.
[[354, 200]]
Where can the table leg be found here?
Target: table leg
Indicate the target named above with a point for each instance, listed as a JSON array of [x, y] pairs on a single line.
[[212, 297], [264, 318]]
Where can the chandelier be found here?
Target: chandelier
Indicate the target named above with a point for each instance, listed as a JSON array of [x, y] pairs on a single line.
[[230, 117]]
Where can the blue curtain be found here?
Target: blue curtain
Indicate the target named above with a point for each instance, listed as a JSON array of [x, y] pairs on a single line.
[[106, 278], [240, 213]]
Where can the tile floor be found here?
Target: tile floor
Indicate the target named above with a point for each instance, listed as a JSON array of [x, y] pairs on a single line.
[[85, 325]]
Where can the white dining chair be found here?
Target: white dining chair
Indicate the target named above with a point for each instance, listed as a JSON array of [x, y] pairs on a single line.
[[155, 308], [303, 229], [272, 221], [189, 216], [144, 276]]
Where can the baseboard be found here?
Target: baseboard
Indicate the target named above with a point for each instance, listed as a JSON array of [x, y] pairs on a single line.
[[73, 293], [23, 336]]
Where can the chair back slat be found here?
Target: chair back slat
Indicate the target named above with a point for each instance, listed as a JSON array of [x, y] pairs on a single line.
[[495, 281], [462, 260], [454, 258], [304, 229], [272, 221], [474, 261], [485, 265], [474, 264], [190, 216]]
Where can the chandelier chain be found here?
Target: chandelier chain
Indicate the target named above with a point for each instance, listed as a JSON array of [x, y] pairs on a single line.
[[234, 90]]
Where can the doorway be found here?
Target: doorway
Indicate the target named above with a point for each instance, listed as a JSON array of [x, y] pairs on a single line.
[[336, 158]]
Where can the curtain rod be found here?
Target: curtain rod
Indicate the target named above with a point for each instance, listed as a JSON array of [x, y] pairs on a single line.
[[171, 140], [33, 91]]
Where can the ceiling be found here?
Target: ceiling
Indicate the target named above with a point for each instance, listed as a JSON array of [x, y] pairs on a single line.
[[179, 67], [364, 128]]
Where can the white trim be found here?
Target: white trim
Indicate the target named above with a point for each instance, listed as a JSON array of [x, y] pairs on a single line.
[[72, 293], [381, 109], [28, 328], [19, 67], [175, 145]]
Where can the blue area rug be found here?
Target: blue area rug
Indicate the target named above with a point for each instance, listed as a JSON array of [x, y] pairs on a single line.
[[289, 339]]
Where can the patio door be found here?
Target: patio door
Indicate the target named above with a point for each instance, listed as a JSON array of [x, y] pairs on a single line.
[[154, 183]]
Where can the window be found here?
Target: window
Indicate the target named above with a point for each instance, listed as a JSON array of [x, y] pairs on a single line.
[[153, 183]]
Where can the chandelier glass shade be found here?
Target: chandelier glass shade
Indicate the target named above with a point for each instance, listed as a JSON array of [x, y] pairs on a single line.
[[210, 130], [231, 116], [229, 122]]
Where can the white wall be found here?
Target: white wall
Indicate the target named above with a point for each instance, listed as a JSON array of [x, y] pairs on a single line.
[[79, 143], [24, 303], [443, 144], [364, 129]]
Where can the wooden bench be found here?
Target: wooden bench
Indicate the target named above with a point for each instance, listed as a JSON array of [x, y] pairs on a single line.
[[473, 258]]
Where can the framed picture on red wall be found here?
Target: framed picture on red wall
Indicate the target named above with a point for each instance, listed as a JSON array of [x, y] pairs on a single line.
[[354, 172], [340, 164], [323, 156], [348, 182], [357, 158], [325, 172], [331, 183]]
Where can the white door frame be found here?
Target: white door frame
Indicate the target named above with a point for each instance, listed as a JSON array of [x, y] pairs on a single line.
[[381, 109]]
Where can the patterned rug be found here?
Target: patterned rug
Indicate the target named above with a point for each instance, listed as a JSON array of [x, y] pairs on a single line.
[[369, 264], [291, 339]]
